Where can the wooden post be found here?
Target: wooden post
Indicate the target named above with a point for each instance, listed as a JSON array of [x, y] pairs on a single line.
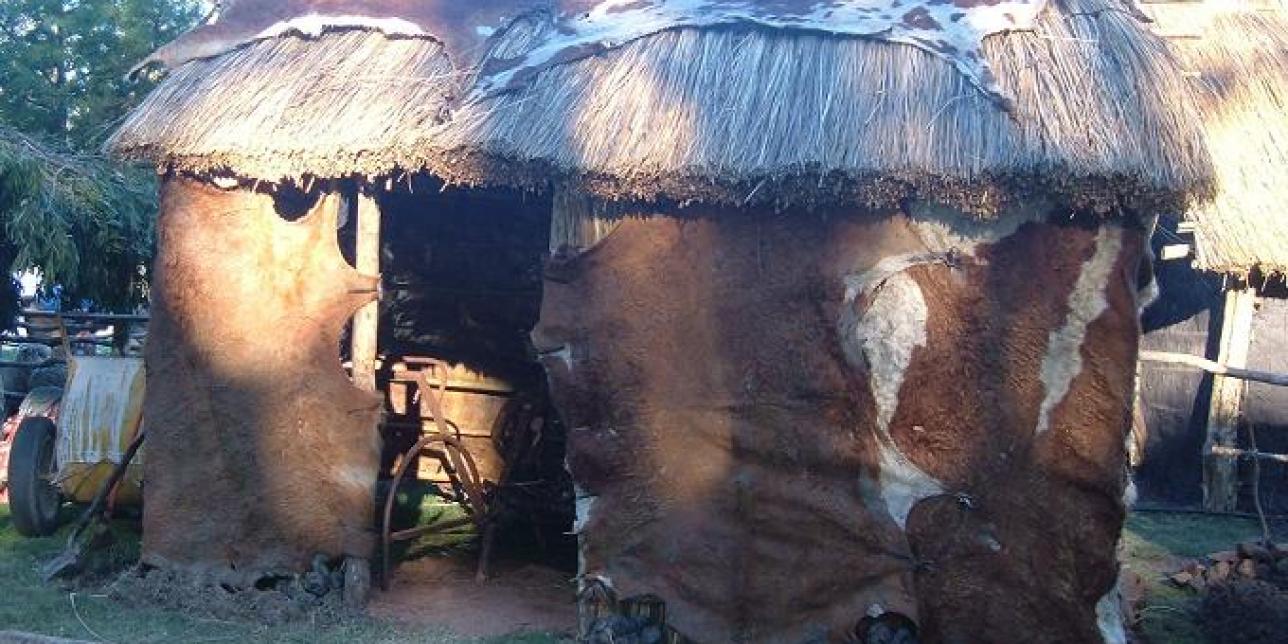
[[363, 352], [367, 259], [1220, 469]]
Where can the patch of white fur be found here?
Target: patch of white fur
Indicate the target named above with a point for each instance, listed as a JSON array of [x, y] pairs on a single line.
[[585, 505], [883, 340], [1149, 295], [1130, 493], [903, 484], [1109, 617], [355, 477], [583, 580], [944, 229], [1063, 360], [563, 354], [893, 325], [871, 279], [314, 24]]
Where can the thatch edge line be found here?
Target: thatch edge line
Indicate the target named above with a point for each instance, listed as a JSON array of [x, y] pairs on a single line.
[[982, 196]]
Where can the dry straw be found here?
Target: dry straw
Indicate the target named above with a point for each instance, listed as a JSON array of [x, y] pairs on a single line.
[[287, 108], [1238, 64], [735, 115], [727, 114]]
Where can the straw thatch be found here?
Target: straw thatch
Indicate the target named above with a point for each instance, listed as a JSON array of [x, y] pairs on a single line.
[[734, 115], [1238, 62], [731, 114], [290, 107]]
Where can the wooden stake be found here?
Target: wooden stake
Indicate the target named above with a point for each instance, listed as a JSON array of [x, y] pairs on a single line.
[[367, 259], [1220, 473], [357, 570], [1268, 377]]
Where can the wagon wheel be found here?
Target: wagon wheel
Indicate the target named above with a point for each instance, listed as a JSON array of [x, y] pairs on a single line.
[[34, 496], [465, 479], [432, 395]]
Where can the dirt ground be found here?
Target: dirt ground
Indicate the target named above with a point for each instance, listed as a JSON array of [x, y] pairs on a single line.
[[442, 591], [437, 600]]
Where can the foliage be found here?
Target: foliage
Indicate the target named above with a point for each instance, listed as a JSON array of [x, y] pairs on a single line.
[[83, 221], [63, 63]]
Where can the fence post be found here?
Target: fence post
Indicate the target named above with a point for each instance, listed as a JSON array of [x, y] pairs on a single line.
[[367, 260], [1220, 470]]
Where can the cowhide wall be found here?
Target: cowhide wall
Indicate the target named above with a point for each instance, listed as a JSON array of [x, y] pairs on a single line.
[[261, 453], [782, 424]]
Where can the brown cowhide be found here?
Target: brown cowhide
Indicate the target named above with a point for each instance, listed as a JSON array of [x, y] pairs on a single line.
[[782, 424], [261, 453]]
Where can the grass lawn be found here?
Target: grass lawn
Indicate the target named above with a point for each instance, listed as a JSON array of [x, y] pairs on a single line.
[[28, 604], [1155, 544]]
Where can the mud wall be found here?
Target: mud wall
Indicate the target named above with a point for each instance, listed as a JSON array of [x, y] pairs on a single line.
[[783, 424], [261, 453]]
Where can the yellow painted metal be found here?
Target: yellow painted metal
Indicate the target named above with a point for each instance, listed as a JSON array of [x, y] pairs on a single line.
[[101, 413]]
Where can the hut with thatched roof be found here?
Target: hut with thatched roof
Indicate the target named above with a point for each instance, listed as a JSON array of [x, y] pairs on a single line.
[[839, 308], [1232, 309]]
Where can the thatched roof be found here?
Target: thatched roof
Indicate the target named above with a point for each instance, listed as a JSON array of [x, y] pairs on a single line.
[[292, 107], [734, 114], [731, 113], [1238, 63]]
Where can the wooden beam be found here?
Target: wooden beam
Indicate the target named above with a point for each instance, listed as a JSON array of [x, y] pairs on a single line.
[[1220, 473], [363, 353], [1270, 378], [367, 260], [1248, 453]]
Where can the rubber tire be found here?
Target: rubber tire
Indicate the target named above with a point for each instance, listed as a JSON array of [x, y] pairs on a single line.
[[34, 501]]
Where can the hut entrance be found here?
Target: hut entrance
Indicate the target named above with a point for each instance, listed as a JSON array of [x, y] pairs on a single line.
[[462, 290]]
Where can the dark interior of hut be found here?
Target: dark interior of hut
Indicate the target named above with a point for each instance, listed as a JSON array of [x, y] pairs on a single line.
[[462, 279]]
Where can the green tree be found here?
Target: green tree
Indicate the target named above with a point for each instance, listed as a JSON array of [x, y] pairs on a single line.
[[63, 62], [85, 222], [82, 220]]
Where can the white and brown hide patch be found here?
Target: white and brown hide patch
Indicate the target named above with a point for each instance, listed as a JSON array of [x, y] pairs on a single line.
[[761, 401]]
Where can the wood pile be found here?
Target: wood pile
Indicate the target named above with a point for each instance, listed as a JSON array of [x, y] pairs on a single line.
[[1251, 560]]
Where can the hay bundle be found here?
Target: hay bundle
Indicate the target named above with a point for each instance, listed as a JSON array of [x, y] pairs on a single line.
[[289, 107], [1238, 65], [732, 114], [741, 115]]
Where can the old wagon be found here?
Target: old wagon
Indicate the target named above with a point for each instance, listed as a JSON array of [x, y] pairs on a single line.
[[68, 438]]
